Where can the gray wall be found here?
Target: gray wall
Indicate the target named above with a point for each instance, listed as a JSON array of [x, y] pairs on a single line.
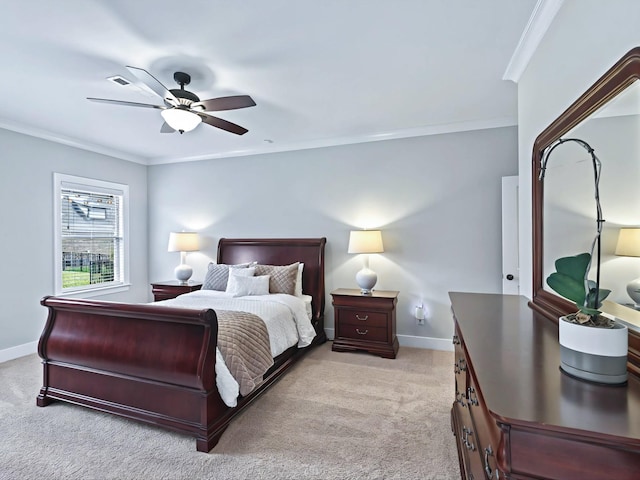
[[586, 38], [26, 194], [437, 200]]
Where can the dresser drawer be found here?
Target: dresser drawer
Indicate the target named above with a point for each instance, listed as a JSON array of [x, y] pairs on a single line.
[[363, 332], [362, 318]]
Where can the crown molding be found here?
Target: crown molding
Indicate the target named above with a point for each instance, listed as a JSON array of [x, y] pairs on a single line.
[[338, 141], [543, 14], [268, 148], [71, 142]]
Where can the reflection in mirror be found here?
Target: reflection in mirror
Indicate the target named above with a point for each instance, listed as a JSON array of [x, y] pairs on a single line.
[[607, 117], [569, 206]]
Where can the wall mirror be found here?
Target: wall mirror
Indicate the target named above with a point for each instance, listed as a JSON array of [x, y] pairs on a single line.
[[607, 116]]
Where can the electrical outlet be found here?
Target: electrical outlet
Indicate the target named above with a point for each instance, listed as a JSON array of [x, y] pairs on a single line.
[[420, 321], [420, 314]]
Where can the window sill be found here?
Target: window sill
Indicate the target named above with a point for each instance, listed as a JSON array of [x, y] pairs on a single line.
[[95, 292]]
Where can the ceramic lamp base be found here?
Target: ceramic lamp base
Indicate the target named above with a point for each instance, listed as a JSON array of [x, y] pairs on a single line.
[[595, 354], [183, 273], [366, 280], [633, 290]]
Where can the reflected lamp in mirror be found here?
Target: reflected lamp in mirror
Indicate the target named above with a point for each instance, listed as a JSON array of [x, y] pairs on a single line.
[[629, 246], [183, 242], [366, 242]]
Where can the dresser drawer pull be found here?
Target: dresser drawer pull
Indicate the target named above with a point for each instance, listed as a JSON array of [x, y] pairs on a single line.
[[456, 340], [463, 365], [465, 438], [473, 401], [361, 333], [362, 319], [487, 469]]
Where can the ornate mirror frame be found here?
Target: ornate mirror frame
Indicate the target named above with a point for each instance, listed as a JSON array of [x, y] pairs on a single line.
[[614, 81]]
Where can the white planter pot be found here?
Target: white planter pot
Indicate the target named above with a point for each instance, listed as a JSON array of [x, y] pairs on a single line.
[[594, 354]]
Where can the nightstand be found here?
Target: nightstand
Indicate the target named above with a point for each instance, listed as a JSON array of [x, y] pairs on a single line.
[[365, 322], [172, 288]]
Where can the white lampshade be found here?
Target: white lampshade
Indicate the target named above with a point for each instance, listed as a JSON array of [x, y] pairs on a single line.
[[628, 242], [180, 119], [629, 246], [365, 241], [183, 242]]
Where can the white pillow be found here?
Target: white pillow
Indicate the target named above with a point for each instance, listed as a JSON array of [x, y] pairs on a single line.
[[242, 272], [240, 285], [238, 272], [298, 289]]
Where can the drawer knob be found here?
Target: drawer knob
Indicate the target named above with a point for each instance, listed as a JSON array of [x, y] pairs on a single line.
[[361, 333], [362, 319]]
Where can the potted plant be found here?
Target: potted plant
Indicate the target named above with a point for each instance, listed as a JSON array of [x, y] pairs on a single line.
[[592, 346]]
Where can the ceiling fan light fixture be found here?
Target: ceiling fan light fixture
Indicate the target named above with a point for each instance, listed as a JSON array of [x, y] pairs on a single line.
[[180, 119]]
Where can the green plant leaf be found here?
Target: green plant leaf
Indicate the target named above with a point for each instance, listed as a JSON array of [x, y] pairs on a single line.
[[567, 286], [574, 267]]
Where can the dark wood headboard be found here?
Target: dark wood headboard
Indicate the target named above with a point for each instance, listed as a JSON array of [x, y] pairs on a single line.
[[282, 251]]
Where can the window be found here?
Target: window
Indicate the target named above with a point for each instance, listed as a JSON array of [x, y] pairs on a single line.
[[91, 235]]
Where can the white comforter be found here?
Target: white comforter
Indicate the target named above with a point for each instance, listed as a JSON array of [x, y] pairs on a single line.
[[285, 316]]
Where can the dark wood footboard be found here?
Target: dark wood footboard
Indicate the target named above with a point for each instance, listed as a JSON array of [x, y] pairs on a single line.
[[144, 362]]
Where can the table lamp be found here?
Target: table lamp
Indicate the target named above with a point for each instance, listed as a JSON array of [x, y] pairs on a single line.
[[366, 242], [629, 246], [183, 242]]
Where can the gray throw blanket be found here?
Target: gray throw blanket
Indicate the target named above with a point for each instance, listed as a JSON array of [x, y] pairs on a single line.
[[243, 341]]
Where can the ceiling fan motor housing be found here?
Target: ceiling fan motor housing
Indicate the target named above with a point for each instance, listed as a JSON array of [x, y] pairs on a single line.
[[182, 94]]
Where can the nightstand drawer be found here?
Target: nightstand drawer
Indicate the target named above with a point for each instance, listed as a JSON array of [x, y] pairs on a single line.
[[362, 318], [362, 332]]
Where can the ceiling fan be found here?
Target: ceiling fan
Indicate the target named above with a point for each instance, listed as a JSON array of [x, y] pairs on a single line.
[[183, 110]]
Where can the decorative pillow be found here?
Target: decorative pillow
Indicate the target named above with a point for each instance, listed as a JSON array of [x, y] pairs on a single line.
[[218, 275], [298, 290], [283, 278], [240, 285], [238, 272]]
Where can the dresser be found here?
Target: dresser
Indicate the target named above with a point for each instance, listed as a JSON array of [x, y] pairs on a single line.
[[516, 415], [172, 288], [365, 322]]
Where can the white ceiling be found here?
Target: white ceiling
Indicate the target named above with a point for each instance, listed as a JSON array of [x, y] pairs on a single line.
[[322, 72]]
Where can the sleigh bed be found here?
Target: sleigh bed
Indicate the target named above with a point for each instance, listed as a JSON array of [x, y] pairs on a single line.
[[156, 363]]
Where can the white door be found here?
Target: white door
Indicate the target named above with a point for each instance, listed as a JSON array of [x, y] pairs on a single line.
[[510, 264]]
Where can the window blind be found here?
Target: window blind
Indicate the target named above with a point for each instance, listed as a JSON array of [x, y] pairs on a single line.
[[92, 238]]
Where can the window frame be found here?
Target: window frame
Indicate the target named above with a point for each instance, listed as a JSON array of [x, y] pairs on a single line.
[[64, 181]]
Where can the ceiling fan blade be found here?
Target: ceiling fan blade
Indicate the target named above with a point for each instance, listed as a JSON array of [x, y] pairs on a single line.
[[225, 103], [165, 128], [223, 124], [121, 102], [154, 84]]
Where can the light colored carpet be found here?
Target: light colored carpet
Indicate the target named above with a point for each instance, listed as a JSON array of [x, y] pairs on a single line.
[[333, 416]]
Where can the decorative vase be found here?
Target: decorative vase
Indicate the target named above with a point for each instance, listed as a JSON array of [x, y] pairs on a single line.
[[594, 354]]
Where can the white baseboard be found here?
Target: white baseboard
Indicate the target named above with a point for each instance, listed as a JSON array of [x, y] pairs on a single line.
[[429, 343], [18, 351]]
